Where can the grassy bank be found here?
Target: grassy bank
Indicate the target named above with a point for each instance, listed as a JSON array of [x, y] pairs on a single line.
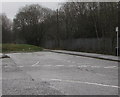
[[6, 48]]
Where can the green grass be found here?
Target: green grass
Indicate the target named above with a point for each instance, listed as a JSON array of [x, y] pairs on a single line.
[[6, 48]]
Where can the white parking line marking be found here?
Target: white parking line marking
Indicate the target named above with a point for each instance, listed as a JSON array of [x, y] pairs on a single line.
[[89, 83], [20, 66], [100, 74], [8, 66], [59, 65], [83, 66], [56, 79], [110, 67], [47, 65], [36, 63], [95, 66]]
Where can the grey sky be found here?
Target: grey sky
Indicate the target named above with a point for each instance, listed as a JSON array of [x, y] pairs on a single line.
[[11, 8]]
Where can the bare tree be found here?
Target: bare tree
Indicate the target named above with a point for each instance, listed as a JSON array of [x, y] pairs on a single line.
[[6, 29]]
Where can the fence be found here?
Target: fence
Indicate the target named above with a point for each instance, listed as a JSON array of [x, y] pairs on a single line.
[[106, 45]]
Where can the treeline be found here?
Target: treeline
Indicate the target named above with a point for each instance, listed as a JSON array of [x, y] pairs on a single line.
[[34, 24]]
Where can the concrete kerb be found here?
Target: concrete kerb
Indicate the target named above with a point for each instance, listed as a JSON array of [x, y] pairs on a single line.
[[71, 53], [97, 57]]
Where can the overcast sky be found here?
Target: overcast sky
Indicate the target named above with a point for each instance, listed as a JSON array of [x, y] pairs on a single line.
[[11, 8]]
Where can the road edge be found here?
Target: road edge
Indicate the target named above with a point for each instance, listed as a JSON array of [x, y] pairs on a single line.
[[97, 57]]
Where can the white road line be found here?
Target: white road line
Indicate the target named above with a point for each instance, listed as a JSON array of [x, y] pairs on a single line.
[[89, 83], [36, 63], [47, 65], [59, 65], [8, 66], [20, 66], [110, 67], [83, 66], [95, 66], [100, 74], [56, 79]]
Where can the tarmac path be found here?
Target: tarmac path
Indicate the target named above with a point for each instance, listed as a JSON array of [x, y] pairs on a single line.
[[63, 74]]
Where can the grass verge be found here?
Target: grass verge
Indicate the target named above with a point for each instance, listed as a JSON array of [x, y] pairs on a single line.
[[7, 48]]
